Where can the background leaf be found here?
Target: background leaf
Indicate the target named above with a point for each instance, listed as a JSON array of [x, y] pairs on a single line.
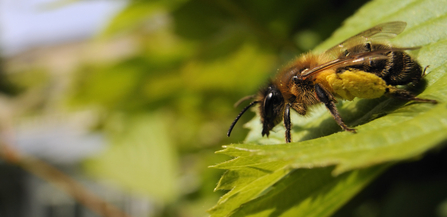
[[130, 153], [388, 130]]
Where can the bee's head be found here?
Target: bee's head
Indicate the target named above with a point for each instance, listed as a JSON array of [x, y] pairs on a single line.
[[271, 108]]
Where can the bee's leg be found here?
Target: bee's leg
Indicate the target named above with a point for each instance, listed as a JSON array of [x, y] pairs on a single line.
[[406, 95], [328, 101], [287, 123]]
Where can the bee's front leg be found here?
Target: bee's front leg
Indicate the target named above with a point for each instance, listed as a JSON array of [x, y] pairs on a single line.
[[287, 123], [325, 97]]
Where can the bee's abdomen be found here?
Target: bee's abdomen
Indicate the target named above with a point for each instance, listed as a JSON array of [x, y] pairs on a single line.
[[401, 69], [398, 69]]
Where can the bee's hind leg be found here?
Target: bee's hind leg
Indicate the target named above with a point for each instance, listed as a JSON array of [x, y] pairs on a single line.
[[328, 101], [406, 95]]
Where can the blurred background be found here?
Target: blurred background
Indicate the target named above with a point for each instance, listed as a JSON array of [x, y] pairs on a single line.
[[120, 105]]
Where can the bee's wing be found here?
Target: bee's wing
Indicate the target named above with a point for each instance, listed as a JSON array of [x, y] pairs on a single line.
[[381, 32], [356, 59]]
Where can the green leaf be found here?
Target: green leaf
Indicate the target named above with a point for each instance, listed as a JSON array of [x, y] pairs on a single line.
[[138, 161], [325, 167], [139, 14], [324, 189]]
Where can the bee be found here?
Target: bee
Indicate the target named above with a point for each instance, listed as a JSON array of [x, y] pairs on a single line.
[[365, 66]]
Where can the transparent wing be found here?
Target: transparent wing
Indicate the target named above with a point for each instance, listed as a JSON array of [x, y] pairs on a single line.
[[356, 59], [381, 32]]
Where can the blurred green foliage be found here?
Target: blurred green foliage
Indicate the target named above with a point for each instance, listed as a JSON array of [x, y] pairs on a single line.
[[8, 86]]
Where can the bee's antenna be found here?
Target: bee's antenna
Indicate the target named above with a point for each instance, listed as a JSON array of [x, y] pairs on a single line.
[[239, 116], [243, 99]]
